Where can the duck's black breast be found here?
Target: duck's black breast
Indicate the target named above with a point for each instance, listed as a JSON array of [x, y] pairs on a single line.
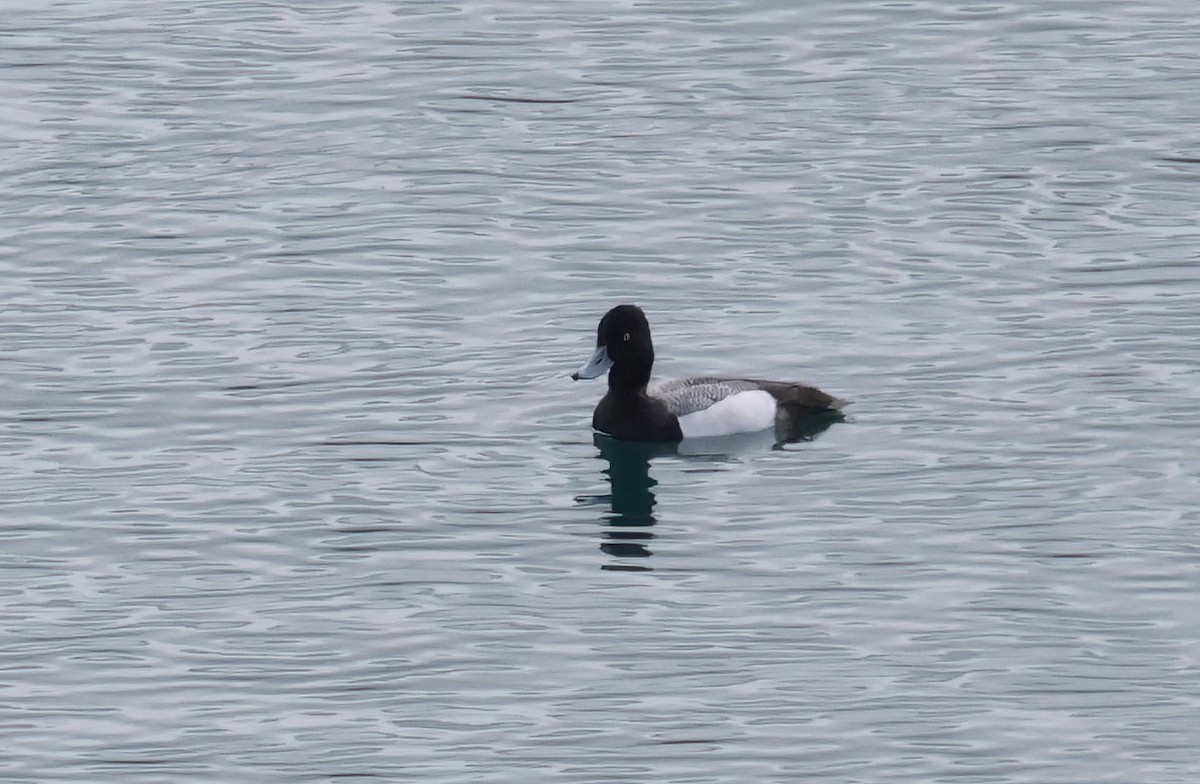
[[636, 417]]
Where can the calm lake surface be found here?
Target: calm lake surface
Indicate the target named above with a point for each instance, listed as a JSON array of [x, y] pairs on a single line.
[[296, 486]]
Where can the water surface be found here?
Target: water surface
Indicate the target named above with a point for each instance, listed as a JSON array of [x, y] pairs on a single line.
[[296, 483]]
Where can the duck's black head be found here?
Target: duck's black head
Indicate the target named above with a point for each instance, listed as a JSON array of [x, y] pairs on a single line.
[[624, 348]]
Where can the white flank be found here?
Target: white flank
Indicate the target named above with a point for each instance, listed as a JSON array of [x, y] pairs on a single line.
[[744, 412]]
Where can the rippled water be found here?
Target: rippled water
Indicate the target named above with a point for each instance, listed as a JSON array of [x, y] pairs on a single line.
[[296, 485]]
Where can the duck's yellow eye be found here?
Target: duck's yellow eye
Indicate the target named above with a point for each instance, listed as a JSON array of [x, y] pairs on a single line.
[[626, 337]]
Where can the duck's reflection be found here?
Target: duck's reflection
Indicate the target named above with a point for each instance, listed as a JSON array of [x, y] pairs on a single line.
[[631, 516], [629, 522]]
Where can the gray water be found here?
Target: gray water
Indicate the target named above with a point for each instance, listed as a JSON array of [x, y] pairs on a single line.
[[295, 485]]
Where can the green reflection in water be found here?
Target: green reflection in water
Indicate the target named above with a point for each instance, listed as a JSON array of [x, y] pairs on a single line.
[[630, 518]]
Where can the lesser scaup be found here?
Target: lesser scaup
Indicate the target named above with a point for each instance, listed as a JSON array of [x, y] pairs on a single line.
[[687, 408]]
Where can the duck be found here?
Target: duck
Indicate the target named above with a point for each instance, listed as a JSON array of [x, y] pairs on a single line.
[[698, 407]]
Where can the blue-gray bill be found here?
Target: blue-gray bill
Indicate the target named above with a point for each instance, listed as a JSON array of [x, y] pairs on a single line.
[[596, 366]]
